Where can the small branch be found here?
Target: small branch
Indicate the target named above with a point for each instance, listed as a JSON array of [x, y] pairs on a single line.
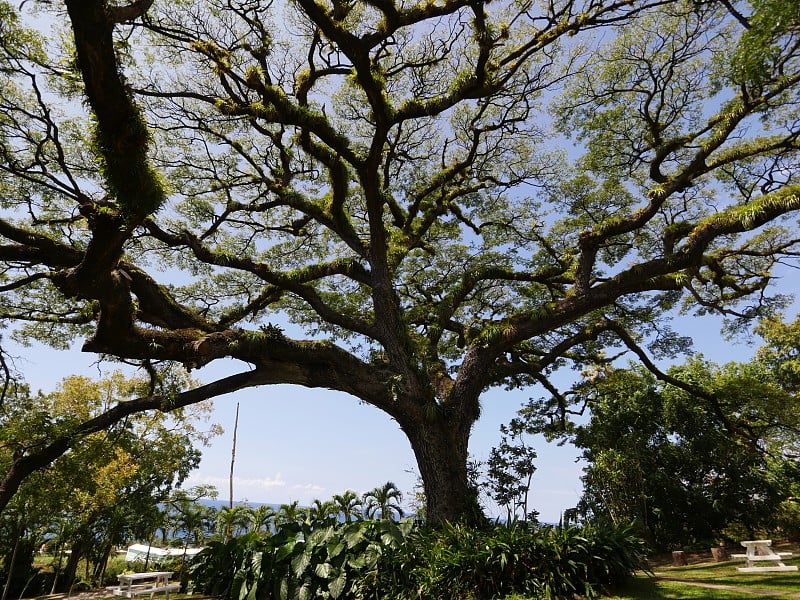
[[692, 390]]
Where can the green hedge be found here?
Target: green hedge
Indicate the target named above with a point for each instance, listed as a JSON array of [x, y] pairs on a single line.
[[301, 561]]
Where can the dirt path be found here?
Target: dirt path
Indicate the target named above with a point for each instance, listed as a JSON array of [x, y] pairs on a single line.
[[98, 594], [90, 595]]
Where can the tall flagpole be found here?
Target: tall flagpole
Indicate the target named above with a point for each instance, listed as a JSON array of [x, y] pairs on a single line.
[[233, 455]]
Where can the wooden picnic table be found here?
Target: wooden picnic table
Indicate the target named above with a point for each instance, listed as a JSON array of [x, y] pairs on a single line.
[[149, 583], [759, 554]]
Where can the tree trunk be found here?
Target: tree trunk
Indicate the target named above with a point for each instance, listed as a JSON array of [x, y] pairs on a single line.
[[100, 569], [71, 569], [233, 456], [12, 561], [720, 554], [57, 568], [440, 448]]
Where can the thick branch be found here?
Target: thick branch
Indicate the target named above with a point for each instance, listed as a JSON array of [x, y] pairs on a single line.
[[122, 137], [134, 10]]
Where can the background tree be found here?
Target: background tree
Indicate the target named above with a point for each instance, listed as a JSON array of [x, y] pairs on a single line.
[[350, 506], [664, 458], [509, 472], [192, 519], [262, 518], [233, 521], [322, 511], [383, 178], [290, 513], [106, 489]]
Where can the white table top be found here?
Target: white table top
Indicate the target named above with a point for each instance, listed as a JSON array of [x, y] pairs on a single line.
[[150, 575], [757, 543]]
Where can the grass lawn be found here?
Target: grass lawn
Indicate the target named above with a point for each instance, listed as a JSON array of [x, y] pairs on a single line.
[[748, 586], [650, 589]]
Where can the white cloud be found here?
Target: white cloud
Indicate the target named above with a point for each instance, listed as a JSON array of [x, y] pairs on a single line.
[[258, 484], [308, 487], [273, 489]]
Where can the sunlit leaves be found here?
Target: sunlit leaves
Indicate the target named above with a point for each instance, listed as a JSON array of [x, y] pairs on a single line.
[[770, 39]]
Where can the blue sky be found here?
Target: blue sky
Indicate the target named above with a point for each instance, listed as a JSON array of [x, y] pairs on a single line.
[[300, 444]]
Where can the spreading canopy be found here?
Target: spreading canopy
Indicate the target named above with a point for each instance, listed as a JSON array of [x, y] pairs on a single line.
[[379, 197]]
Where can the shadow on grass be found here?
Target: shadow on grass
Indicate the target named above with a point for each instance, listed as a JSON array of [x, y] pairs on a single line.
[[726, 574], [647, 588]]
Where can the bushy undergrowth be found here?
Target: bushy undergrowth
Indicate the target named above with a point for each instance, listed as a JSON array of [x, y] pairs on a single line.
[[301, 561], [383, 560], [455, 561]]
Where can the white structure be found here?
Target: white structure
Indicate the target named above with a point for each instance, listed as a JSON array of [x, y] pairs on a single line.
[[140, 552], [132, 585], [760, 551]]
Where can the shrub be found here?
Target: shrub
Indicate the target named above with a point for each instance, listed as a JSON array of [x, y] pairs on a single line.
[[317, 560], [215, 568], [114, 567], [458, 562]]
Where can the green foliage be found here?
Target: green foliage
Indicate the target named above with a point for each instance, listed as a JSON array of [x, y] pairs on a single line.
[[214, 570], [301, 560], [382, 559], [773, 30], [509, 471], [687, 468], [460, 562], [103, 492]]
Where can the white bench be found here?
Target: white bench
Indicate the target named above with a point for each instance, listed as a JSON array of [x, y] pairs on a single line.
[[760, 551], [142, 590]]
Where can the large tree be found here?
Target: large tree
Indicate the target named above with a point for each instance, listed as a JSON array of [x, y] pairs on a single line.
[[370, 195]]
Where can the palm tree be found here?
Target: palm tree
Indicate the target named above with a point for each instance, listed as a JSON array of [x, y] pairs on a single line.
[[232, 521], [350, 506], [384, 501], [322, 511], [261, 519], [290, 513], [192, 520]]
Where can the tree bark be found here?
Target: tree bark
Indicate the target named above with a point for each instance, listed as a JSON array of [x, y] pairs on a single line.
[[440, 448], [12, 561], [720, 554], [71, 568]]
